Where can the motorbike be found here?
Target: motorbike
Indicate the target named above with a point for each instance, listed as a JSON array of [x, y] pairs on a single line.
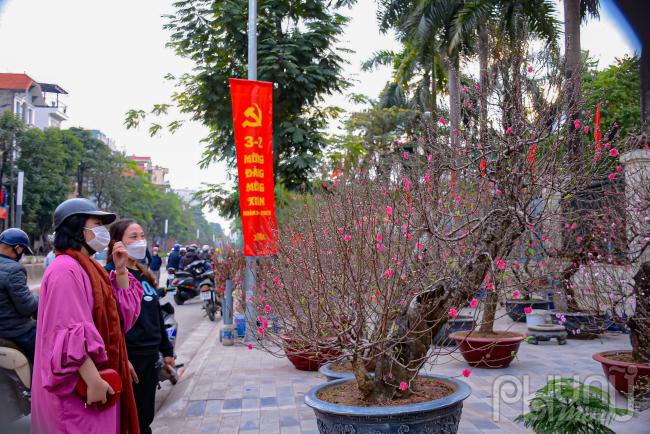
[[15, 383], [171, 326], [212, 301], [187, 283]]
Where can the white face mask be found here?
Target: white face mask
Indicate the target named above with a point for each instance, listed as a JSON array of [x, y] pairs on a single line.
[[101, 240], [137, 250]]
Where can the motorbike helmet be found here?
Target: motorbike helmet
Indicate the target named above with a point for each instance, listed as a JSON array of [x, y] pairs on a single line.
[[177, 247], [15, 237], [192, 248], [205, 248], [80, 206]]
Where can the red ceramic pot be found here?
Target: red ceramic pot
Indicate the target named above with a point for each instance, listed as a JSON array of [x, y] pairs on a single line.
[[488, 352], [306, 357], [626, 377]]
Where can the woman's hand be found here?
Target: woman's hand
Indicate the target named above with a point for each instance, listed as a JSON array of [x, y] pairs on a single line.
[[98, 391], [120, 256], [134, 375], [169, 361]]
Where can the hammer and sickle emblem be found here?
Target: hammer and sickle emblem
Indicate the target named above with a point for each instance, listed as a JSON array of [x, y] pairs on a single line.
[[253, 115]]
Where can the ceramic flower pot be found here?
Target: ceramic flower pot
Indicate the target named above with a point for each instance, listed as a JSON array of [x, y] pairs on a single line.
[[332, 374], [537, 317], [488, 352], [436, 416], [515, 308], [626, 377], [579, 325], [305, 356], [453, 325]]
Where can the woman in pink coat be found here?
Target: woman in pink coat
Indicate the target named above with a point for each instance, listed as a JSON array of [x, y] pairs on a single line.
[[82, 317]]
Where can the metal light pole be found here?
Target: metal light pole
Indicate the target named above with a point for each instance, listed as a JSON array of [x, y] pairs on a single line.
[[251, 261], [19, 199], [165, 236]]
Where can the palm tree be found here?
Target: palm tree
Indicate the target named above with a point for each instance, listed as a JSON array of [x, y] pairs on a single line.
[[575, 12], [512, 21]]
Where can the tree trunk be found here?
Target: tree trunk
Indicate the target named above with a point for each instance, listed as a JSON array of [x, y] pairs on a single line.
[[454, 98], [645, 91], [572, 74], [434, 85], [483, 49], [406, 352], [640, 323], [490, 312]]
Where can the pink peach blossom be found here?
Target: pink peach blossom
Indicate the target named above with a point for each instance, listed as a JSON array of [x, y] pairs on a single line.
[[403, 386], [501, 264], [453, 313], [614, 153], [473, 303], [466, 373], [516, 294], [528, 310]]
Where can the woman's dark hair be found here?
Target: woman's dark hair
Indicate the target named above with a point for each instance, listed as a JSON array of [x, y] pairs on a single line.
[[117, 231], [70, 234]]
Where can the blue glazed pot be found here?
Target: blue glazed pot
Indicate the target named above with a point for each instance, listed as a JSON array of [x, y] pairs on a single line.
[[333, 375], [438, 416]]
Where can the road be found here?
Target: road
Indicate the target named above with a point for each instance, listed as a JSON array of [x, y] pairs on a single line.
[[188, 316]]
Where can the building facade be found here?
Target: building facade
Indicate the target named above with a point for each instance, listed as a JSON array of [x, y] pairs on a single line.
[[39, 105], [156, 174]]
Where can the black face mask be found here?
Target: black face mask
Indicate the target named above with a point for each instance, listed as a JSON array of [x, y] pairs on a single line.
[[19, 256]]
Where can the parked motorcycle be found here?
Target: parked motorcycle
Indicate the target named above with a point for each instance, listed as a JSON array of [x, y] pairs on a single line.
[[15, 383], [212, 302], [187, 283]]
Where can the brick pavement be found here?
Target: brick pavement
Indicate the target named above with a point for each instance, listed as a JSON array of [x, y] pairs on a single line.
[[233, 390]]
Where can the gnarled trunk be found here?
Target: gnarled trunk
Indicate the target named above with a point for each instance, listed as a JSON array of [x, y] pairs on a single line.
[[640, 323]]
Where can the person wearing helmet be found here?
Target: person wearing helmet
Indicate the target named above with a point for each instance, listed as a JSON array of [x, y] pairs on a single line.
[[205, 253], [17, 303], [84, 313], [191, 255], [174, 259]]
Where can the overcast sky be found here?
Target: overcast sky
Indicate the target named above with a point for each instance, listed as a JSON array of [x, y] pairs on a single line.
[[111, 56]]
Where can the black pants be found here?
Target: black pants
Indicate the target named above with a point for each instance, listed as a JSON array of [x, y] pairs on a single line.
[[145, 391]]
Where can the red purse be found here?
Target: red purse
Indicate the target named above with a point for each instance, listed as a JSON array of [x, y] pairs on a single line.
[[112, 378]]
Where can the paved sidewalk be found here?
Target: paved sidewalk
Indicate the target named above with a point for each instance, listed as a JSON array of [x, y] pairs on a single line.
[[233, 390]]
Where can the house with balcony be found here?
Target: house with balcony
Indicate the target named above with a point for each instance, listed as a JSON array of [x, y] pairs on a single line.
[[156, 174], [39, 105]]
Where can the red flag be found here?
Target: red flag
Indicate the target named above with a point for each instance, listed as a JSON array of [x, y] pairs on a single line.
[[532, 152], [252, 112], [482, 166], [597, 132]]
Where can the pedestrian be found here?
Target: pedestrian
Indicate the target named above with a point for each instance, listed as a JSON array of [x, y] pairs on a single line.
[[148, 336], [174, 259], [17, 303], [156, 263], [83, 314]]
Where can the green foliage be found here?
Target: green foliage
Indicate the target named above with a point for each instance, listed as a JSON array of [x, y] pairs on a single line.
[[618, 89], [296, 51], [58, 162], [567, 406], [47, 158]]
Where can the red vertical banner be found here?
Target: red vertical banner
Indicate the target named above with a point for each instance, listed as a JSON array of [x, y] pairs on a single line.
[[252, 113]]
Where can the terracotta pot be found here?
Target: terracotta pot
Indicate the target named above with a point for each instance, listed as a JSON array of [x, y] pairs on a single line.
[[306, 357], [491, 353], [626, 377]]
